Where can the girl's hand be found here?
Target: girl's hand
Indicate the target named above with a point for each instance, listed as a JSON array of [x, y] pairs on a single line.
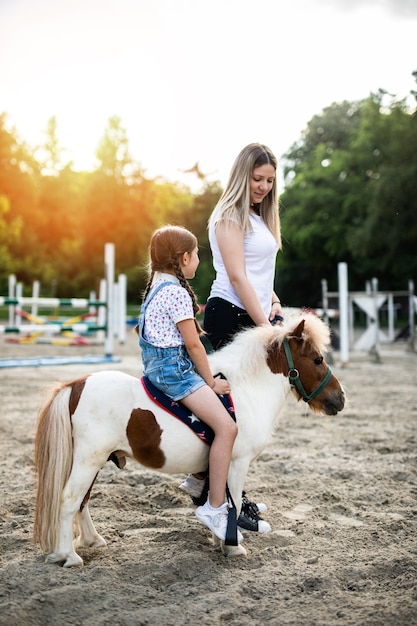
[[221, 386]]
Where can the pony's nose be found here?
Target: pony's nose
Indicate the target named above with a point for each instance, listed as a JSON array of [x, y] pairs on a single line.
[[335, 403]]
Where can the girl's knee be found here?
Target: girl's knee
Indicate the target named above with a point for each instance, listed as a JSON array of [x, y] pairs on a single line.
[[226, 429], [233, 429]]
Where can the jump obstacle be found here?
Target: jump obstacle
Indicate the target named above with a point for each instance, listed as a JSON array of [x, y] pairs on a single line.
[[108, 312], [370, 302]]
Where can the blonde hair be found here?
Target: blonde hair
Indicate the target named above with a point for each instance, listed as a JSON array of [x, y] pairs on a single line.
[[235, 203], [166, 247]]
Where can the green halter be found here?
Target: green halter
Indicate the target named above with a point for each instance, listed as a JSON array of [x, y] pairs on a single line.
[[294, 376]]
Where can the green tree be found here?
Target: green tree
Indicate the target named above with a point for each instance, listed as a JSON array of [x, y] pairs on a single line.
[[350, 193], [385, 242]]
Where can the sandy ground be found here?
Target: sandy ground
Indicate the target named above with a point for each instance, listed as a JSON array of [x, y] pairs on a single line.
[[341, 495]]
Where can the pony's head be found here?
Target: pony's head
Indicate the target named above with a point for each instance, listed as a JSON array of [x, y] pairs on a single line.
[[296, 350]]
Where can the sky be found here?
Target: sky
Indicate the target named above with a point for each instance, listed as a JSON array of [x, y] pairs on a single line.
[[195, 80]]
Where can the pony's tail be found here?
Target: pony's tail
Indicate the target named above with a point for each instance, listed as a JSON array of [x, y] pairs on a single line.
[[53, 463]]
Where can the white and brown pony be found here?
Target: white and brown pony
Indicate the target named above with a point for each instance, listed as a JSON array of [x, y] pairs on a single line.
[[85, 421]]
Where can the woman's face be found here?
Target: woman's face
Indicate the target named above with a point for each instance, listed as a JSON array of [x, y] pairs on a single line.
[[261, 182]]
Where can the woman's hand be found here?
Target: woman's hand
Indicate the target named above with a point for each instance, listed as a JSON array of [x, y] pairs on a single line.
[[276, 315]]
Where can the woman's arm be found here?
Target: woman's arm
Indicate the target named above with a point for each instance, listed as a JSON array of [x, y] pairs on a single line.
[[198, 356], [230, 241]]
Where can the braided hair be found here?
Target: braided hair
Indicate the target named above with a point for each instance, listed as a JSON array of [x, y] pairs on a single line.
[[167, 245]]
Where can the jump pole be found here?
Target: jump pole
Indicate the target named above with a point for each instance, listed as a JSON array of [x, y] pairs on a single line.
[[75, 303], [52, 328]]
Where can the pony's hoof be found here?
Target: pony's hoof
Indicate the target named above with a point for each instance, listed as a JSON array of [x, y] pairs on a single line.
[[215, 541], [54, 558], [73, 560], [97, 542], [231, 551]]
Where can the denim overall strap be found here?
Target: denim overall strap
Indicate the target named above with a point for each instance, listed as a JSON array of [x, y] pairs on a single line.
[[152, 292]]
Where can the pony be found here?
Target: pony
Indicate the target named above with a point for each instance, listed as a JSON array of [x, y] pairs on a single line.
[[109, 414]]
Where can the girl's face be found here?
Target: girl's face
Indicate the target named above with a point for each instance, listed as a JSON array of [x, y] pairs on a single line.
[[261, 182], [189, 263]]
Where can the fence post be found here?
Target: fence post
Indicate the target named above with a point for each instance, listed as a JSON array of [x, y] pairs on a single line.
[[343, 313], [411, 307], [375, 348], [12, 286], [109, 274], [35, 294], [122, 291]]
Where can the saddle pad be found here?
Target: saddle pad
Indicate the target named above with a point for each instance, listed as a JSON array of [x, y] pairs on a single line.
[[178, 410]]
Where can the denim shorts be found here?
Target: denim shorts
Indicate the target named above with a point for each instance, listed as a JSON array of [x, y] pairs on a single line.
[[172, 371]]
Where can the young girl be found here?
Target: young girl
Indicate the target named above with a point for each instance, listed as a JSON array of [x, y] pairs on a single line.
[[175, 359]]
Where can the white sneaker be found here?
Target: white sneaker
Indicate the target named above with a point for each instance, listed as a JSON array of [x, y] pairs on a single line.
[[193, 486], [216, 519]]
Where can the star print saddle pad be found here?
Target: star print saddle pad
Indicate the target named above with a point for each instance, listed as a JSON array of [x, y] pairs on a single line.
[[178, 410]]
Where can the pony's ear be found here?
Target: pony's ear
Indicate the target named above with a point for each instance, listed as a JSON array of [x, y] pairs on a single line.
[[276, 359], [298, 331]]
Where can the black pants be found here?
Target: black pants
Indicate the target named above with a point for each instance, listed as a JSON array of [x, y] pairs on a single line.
[[222, 320]]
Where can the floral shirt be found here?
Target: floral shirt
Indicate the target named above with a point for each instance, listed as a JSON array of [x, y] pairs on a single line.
[[172, 304]]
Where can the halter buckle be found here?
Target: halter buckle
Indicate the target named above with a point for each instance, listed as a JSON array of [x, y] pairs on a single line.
[[293, 375]]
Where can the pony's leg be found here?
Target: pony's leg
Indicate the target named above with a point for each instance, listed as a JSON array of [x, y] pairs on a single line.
[[231, 551], [88, 537], [227, 550], [236, 480], [81, 478]]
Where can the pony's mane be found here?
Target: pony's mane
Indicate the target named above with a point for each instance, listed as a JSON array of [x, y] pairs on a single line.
[[248, 347], [315, 332]]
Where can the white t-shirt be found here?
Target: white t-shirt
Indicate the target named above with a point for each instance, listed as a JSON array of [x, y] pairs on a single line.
[[170, 305], [260, 248]]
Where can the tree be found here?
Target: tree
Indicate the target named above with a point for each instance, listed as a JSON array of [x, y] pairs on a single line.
[[50, 155], [113, 150], [18, 171], [9, 231], [196, 220], [354, 169], [388, 232]]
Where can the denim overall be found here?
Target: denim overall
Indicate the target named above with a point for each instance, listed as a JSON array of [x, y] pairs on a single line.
[[170, 369]]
